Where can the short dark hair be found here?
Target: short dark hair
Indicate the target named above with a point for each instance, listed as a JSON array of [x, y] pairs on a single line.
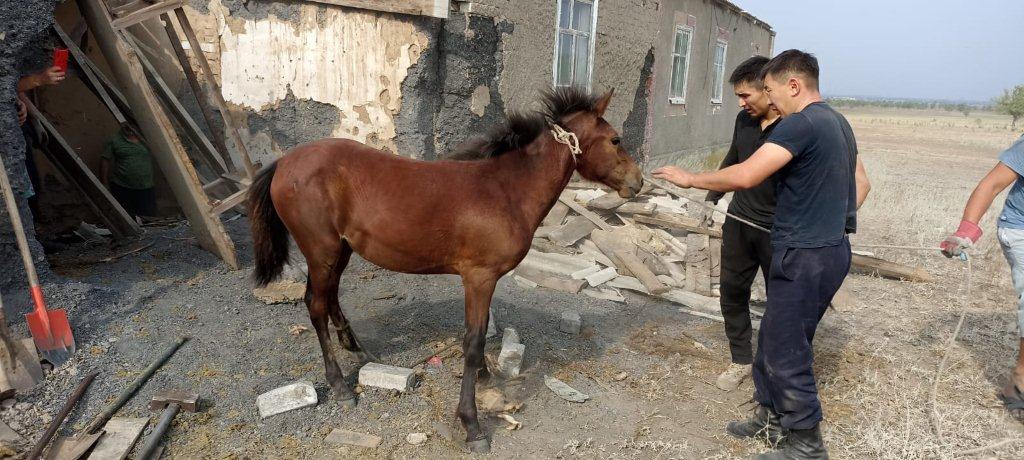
[[749, 71], [793, 62]]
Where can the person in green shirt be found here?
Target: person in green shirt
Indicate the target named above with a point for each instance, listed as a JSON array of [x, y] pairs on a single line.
[[127, 171]]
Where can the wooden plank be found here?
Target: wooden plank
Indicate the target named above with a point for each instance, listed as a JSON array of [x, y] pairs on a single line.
[[93, 80], [875, 266], [96, 195], [214, 88], [146, 13], [674, 222], [207, 152], [120, 435], [193, 82], [434, 8], [27, 374], [109, 86], [641, 272], [583, 211], [160, 136], [574, 230], [121, 10], [220, 206]]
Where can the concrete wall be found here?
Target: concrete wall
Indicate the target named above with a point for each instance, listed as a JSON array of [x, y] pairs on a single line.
[[684, 134]]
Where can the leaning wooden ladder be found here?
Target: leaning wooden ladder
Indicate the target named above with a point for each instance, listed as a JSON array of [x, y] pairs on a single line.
[[151, 103]]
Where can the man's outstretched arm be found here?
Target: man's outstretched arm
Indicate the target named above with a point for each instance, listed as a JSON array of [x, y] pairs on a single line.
[[763, 163]]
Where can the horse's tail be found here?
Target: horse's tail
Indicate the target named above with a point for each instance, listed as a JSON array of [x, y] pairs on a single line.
[[269, 235]]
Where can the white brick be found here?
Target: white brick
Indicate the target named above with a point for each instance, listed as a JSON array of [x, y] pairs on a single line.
[[385, 376], [286, 398], [601, 277]]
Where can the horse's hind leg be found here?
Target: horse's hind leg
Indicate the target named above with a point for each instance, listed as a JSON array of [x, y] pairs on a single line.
[[321, 294], [346, 337], [479, 289]]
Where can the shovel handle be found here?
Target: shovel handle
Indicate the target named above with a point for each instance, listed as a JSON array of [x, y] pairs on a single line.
[[19, 229]]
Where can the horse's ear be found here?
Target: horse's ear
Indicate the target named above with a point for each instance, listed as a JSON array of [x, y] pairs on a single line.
[[603, 102]]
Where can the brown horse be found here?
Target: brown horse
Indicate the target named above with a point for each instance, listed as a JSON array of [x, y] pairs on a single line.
[[473, 215]]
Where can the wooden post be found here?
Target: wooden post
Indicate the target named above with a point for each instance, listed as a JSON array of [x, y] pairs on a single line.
[[81, 59], [214, 88], [193, 82], [159, 133]]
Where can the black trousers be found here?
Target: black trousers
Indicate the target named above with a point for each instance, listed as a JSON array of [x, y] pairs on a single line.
[[801, 285], [137, 202], [744, 249]]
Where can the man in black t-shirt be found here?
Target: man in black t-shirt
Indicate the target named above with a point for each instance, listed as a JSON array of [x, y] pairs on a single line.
[[821, 183], [744, 248]]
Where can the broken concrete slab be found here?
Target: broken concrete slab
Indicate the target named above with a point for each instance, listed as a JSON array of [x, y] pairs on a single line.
[[608, 201], [602, 276], [570, 323], [509, 336], [559, 264], [583, 274], [556, 215], [387, 377], [590, 251], [120, 435], [574, 230], [604, 294], [339, 436], [286, 398], [9, 436], [565, 391], [510, 360], [284, 291], [634, 207], [630, 283]]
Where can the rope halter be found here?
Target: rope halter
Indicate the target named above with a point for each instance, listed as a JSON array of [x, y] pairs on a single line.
[[568, 138]]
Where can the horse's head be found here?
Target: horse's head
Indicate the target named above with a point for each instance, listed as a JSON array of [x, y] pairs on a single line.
[[601, 158]]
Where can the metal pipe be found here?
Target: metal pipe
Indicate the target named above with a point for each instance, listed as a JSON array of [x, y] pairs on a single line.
[[69, 405], [158, 432]]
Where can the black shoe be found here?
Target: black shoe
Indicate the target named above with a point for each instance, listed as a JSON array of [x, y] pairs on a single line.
[[764, 424], [800, 445]]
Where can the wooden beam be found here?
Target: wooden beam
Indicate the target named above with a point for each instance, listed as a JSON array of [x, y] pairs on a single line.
[[96, 195], [159, 133], [880, 267], [434, 8], [218, 98], [93, 80], [146, 13], [210, 156], [193, 82], [674, 222], [108, 85], [220, 206]]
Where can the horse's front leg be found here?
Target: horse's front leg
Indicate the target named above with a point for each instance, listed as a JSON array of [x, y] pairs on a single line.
[[479, 289]]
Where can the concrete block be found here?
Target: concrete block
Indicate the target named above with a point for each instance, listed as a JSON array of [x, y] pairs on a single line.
[[286, 398], [570, 323], [388, 377], [602, 276], [509, 336], [339, 436], [510, 360]]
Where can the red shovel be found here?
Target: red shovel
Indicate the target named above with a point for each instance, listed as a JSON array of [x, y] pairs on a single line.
[[49, 328]]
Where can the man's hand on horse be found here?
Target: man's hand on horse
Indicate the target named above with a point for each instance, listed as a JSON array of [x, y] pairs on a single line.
[[678, 176]]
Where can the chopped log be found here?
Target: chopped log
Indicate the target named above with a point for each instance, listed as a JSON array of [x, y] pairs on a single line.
[[583, 211], [607, 202], [556, 215], [677, 222], [574, 230], [635, 266], [874, 265], [634, 207]]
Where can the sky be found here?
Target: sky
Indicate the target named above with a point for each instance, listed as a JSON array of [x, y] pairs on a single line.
[[969, 50]]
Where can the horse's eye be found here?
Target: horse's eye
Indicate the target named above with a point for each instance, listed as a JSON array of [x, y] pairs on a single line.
[[616, 140]]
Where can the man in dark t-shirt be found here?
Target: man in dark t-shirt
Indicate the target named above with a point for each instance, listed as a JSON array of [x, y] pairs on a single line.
[[821, 183], [744, 248]]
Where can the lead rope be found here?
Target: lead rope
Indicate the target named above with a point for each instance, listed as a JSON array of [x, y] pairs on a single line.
[[672, 189], [568, 138]]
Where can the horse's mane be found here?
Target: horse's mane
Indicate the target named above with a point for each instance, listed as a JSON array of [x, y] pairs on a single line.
[[519, 129]]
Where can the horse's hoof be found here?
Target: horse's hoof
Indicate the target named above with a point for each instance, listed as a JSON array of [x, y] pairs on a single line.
[[480, 446], [349, 404]]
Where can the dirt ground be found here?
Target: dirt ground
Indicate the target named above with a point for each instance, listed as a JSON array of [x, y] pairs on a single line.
[[875, 362]]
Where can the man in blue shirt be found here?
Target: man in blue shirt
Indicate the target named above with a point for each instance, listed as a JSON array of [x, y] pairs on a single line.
[[1010, 231], [821, 183]]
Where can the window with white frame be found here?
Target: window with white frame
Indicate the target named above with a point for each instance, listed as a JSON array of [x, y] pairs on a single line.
[[680, 65], [719, 72], [574, 46]]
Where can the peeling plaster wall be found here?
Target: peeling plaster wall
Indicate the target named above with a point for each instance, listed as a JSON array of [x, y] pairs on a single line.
[[313, 64]]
